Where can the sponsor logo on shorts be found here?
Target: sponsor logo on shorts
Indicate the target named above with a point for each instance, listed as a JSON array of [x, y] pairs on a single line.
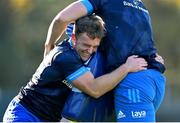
[[121, 115], [138, 114]]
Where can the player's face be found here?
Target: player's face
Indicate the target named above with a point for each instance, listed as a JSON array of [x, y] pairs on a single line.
[[86, 46]]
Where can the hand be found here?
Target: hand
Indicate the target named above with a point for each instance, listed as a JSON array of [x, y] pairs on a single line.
[[134, 64], [159, 58]]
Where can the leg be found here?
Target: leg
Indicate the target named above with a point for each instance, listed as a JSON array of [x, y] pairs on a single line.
[[160, 90], [17, 113], [130, 108], [135, 96]]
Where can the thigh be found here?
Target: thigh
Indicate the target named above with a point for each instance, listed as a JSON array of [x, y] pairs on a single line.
[[15, 112], [134, 98], [160, 83], [132, 105]]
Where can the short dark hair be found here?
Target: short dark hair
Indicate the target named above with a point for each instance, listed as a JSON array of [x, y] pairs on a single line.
[[93, 25]]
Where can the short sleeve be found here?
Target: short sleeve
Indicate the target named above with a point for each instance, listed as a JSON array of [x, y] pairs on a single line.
[[70, 65], [95, 3], [67, 62], [82, 70], [89, 6]]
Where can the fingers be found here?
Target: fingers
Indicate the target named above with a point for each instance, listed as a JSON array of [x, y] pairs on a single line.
[[159, 59], [139, 61], [142, 64], [136, 64], [142, 67], [133, 56]]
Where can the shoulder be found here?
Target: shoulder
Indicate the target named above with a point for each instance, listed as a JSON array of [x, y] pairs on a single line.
[[66, 59], [65, 55]]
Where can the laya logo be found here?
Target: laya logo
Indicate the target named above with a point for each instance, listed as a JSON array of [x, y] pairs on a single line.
[[121, 115], [138, 114]]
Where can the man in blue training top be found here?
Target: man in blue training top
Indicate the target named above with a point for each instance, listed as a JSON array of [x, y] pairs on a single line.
[[129, 32], [43, 98]]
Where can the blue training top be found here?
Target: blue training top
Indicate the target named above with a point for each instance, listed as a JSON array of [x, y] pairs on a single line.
[[129, 31], [46, 93]]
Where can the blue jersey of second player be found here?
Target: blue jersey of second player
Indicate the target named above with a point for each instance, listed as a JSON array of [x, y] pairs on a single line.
[[129, 31], [48, 89]]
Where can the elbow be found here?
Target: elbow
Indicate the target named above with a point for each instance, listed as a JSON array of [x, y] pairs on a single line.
[[91, 91], [96, 94], [89, 88], [48, 46]]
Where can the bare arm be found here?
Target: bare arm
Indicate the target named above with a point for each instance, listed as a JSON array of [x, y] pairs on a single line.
[[96, 87], [60, 22]]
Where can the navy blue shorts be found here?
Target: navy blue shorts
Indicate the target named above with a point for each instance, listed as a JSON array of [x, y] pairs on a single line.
[[15, 112]]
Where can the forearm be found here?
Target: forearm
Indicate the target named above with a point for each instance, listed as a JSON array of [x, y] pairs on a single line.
[[60, 22], [55, 31], [96, 87], [107, 82]]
